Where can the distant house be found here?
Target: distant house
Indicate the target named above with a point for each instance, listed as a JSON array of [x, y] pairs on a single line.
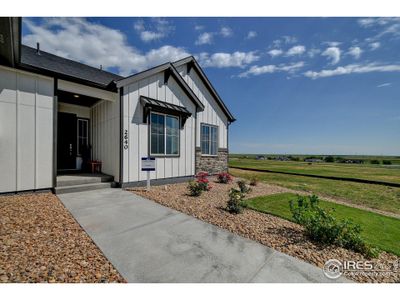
[[282, 158], [260, 157], [55, 113], [313, 160]]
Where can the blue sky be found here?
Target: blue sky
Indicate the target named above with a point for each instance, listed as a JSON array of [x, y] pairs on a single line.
[[295, 85]]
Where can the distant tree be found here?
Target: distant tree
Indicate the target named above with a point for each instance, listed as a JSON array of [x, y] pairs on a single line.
[[386, 162], [329, 159], [375, 162]]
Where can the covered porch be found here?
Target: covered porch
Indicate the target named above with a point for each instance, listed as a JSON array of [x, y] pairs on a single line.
[[87, 140]]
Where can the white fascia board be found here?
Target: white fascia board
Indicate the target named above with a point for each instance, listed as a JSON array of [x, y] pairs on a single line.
[[77, 88]]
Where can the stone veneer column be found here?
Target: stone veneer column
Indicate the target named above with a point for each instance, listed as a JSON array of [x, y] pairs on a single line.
[[212, 164]]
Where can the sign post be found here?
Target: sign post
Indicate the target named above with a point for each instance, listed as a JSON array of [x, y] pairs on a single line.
[[148, 165]]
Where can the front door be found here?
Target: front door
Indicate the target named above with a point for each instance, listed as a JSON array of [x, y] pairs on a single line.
[[66, 141]]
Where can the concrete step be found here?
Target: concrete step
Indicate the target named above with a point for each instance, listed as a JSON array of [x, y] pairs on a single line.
[[81, 187], [70, 180]]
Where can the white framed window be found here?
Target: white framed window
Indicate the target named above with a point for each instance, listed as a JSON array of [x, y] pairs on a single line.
[[83, 135], [164, 134], [209, 139]]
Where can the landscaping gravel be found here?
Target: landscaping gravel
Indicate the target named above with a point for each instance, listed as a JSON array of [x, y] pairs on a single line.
[[41, 242], [274, 232]]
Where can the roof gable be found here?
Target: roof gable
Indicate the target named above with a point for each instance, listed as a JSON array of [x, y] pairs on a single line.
[[193, 64], [169, 70]]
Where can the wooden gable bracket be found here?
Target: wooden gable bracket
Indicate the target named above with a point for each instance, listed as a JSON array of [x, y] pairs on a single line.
[[167, 74], [146, 114], [189, 66]]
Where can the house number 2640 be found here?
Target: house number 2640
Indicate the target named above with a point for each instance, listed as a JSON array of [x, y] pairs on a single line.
[[126, 139]]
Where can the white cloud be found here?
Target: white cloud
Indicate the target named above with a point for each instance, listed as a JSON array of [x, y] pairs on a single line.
[[205, 38], [226, 31], [251, 34], [198, 27], [384, 84], [225, 60], [158, 29], [259, 70], [386, 26], [312, 52], [289, 39], [95, 44], [375, 45], [275, 52], [332, 44], [286, 39], [353, 69], [355, 52], [368, 22], [333, 53], [296, 50]]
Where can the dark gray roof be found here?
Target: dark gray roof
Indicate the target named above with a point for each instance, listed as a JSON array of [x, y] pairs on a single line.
[[66, 67]]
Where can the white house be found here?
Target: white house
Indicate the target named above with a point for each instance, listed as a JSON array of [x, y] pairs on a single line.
[[57, 114]]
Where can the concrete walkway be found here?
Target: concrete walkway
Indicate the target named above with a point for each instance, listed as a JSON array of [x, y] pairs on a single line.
[[148, 242]]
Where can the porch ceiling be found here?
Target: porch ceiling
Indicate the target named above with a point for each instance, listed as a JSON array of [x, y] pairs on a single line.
[[77, 99]]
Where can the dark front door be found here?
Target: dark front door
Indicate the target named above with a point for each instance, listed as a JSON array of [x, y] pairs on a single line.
[[66, 141]]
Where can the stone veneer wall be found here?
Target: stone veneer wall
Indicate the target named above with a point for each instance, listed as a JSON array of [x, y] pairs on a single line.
[[212, 164]]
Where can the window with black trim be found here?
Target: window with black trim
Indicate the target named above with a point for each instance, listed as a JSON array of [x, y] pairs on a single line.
[[209, 139], [83, 135], [164, 134]]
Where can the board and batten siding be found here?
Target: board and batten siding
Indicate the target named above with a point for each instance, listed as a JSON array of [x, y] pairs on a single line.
[[136, 133], [26, 131], [212, 113], [105, 135]]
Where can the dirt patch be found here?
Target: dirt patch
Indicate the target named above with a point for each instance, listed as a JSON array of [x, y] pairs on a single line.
[[274, 232], [41, 242]]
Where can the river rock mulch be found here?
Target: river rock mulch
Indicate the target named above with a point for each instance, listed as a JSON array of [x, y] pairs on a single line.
[[40, 241], [274, 232]]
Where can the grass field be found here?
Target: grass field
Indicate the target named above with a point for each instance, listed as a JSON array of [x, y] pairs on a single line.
[[380, 231], [370, 195], [395, 160], [361, 171]]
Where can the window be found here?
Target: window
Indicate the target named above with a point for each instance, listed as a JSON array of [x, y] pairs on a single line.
[[83, 135], [209, 139], [164, 134]]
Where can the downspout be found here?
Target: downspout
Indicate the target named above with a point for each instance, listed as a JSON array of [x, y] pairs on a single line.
[[121, 135], [195, 140], [55, 131]]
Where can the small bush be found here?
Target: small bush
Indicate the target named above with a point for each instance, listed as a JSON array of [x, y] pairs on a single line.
[[244, 189], [386, 162], [203, 181], [235, 203], [321, 226], [374, 162], [194, 188], [224, 177], [253, 181]]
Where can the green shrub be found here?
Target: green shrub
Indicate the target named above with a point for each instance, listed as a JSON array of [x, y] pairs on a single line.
[[321, 226], [244, 189], [386, 162], [375, 162], [195, 188], [253, 180], [235, 202]]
